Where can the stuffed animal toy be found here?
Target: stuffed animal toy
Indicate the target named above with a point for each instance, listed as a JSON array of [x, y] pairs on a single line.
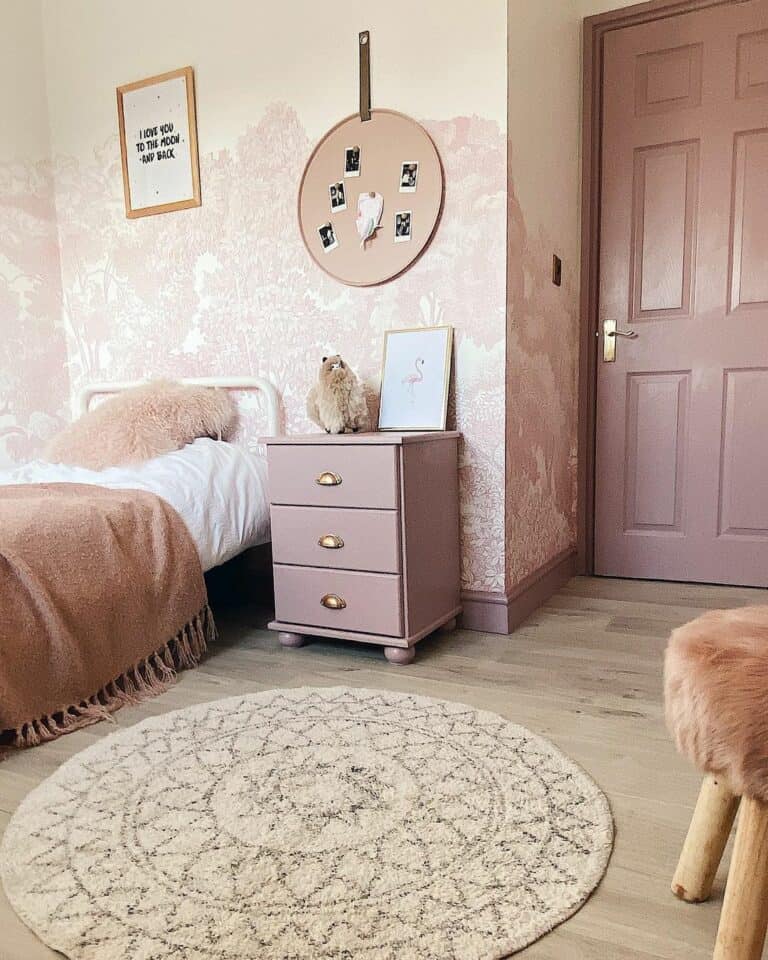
[[337, 401]]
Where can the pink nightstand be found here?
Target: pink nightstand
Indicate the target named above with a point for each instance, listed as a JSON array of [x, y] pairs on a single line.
[[365, 537]]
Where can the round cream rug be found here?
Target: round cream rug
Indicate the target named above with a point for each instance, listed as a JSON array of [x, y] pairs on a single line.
[[308, 824]]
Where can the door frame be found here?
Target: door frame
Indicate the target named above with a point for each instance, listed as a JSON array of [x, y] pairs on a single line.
[[594, 32]]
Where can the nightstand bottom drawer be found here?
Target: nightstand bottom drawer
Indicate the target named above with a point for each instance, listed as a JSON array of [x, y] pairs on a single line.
[[343, 599]]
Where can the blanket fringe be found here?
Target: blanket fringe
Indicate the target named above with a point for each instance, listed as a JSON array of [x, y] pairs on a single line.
[[148, 678]]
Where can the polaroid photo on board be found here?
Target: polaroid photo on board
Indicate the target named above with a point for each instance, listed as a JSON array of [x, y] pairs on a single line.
[[409, 175], [352, 162], [338, 197], [328, 237], [403, 226]]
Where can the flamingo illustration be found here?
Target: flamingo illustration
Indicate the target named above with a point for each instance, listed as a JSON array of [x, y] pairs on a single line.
[[412, 379]]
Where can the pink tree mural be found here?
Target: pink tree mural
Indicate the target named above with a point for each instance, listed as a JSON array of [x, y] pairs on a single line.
[[229, 288], [34, 388]]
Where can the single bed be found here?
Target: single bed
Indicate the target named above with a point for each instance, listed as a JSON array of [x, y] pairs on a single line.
[[101, 570], [219, 489]]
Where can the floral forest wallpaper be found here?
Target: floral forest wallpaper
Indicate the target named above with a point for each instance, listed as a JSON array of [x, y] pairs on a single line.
[[228, 288]]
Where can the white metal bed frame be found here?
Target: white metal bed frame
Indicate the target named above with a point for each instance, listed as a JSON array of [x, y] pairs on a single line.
[[259, 384]]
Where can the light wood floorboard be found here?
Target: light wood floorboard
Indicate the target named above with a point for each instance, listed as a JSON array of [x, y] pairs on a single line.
[[585, 671]]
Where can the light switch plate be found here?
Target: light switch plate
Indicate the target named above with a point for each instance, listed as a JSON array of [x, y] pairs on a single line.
[[557, 270]]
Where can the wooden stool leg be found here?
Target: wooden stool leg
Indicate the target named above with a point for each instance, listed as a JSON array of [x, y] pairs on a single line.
[[744, 919], [707, 836]]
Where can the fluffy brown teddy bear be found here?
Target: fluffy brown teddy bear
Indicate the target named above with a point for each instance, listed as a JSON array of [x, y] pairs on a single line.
[[337, 401]]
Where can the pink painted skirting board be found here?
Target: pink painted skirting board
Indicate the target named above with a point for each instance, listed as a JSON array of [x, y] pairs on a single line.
[[503, 613]]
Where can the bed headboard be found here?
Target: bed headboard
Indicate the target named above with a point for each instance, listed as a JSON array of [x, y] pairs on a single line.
[[260, 384]]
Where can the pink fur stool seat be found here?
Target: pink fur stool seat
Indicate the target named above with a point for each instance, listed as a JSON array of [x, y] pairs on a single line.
[[716, 692]]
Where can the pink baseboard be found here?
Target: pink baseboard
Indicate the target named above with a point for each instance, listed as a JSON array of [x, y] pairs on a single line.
[[503, 612], [484, 611]]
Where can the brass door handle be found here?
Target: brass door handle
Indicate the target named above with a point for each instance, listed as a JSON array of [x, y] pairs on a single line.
[[332, 602], [328, 479], [610, 333], [330, 541]]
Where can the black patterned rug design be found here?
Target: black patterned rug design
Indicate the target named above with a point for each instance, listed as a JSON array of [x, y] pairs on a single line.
[[308, 824]]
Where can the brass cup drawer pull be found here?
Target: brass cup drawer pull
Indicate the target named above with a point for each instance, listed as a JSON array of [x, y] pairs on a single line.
[[331, 602], [331, 542], [328, 479]]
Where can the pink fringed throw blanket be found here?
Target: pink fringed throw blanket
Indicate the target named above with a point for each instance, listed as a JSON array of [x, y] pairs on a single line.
[[102, 598]]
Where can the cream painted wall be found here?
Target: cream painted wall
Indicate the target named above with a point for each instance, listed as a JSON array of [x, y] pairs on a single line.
[[429, 59], [544, 114], [24, 131], [33, 374], [589, 8]]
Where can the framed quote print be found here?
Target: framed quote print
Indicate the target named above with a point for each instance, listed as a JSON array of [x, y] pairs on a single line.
[[158, 143]]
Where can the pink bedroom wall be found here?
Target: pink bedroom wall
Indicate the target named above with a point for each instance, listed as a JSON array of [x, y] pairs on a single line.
[[33, 375], [543, 185], [541, 341], [541, 387], [229, 288]]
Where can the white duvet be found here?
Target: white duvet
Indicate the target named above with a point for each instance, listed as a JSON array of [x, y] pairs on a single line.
[[218, 489]]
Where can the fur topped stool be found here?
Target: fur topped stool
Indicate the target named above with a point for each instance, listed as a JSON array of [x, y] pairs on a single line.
[[716, 692]]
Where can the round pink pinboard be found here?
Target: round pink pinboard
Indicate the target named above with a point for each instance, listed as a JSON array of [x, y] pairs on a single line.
[[385, 143]]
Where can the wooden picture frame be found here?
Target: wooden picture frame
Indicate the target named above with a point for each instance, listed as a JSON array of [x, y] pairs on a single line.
[[161, 167], [400, 407]]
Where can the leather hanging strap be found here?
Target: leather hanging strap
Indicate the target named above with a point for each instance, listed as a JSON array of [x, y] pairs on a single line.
[[365, 75]]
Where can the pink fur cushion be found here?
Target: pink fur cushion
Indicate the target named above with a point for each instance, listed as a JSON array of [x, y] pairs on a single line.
[[716, 692], [142, 423]]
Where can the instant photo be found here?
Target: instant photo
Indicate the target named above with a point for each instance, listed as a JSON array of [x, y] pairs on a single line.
[[338, 197], [409, 175], [352, 162], [402, 226], [328, 237]]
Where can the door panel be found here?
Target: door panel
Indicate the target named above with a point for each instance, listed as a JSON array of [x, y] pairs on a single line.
[[743, 489], [752, 69], [657, 407], [664, 214], [668, 80], [749, 235], [682, 412]]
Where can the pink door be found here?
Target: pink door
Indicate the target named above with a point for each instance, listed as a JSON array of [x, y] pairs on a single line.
[[682, 412]]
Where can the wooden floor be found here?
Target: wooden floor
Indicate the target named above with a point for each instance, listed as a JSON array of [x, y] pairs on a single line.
[[584, 671]]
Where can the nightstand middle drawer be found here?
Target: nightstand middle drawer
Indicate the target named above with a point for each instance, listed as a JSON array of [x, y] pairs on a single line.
[[338, 538]]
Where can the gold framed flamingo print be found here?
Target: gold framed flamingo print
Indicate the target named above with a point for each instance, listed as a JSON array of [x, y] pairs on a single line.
[[415, 376]]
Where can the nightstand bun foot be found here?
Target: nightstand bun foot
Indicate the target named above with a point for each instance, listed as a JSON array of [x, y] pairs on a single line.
[[402, 656], [292, 639], [449, 626]]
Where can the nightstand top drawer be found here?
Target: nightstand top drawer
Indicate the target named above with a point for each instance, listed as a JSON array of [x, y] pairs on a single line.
[[334, 476], [377, 438]]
